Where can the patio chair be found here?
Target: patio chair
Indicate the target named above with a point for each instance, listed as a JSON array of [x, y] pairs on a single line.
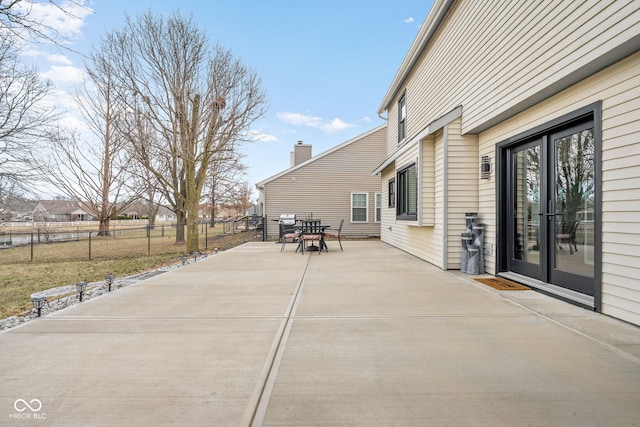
[[311, 231], [290, 237], [335, 234], [568, 236]]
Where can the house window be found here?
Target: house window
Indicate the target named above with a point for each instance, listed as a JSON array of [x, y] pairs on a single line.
[[359, 207], [378, 207], [392, 193], [407, 205], [402, 118]]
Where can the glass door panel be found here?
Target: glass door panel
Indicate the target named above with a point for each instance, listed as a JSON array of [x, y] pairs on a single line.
[[525, 218], [574, 202]]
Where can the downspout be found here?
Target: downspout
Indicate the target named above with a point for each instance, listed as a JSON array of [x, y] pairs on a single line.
[[445, 197], [383, 118]]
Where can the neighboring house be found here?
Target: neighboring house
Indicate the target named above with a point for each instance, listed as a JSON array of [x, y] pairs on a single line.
[[547, 96], [16, 209], [165, 214], [60, 211], [331, 186]]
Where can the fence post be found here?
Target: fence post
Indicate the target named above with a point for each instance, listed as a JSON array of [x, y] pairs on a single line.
[[31, 246], [90, 245], [264, 228]]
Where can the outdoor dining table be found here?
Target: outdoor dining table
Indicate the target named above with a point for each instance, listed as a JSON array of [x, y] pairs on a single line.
[[323, 245]]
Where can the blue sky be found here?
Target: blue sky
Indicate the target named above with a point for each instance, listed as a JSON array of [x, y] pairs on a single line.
[[325, 65]]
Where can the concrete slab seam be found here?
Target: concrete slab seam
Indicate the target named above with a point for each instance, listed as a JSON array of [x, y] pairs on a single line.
[[259, 401]]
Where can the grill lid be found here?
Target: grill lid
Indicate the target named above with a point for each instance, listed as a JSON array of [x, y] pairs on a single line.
[[288, 219]]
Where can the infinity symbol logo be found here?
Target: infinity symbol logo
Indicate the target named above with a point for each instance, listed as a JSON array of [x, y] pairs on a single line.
[[21, 405]]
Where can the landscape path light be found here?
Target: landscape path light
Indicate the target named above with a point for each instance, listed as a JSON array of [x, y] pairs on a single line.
[[81, 287], [109, 278], [184, 259], [38, 303]]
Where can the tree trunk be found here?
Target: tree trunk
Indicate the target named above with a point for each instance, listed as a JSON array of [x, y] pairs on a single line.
[[152, 212], [181, 219], [103, 229], [193, 237]]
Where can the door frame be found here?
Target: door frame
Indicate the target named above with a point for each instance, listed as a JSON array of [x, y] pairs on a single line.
[[503, 198]]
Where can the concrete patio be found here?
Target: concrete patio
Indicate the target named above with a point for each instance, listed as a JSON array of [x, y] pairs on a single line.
[[366, 337]]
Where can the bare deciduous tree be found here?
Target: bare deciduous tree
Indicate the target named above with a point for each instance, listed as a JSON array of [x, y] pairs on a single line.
[[24, 116], [18, 21], [199, 100], [95, 170], [225, 173]]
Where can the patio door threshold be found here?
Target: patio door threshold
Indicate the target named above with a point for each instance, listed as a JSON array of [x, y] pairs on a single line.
[[573, 297]]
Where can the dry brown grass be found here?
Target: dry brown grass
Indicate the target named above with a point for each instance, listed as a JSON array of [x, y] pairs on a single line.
[[61, 264]]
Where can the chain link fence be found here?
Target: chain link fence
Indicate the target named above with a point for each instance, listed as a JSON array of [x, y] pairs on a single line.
[[84, 242]]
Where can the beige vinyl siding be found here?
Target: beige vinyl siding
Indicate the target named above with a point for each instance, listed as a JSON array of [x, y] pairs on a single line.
[[423, 242], [322, 186], [463, 175], [619, 89], [428, 183], [392, 130], [493, 69]]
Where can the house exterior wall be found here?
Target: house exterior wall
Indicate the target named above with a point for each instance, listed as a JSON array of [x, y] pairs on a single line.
[[618, 87], [322, 186], [535, 62], [528, 51]]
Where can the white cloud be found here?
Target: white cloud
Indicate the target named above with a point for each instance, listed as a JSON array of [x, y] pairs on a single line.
[[335, 125], [298, 119], [258, 136], [67, 19], [50, 57], [409, 20], [63, 74]]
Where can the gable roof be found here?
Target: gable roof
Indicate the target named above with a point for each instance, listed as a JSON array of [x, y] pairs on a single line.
[[262, 183], [58, 207]]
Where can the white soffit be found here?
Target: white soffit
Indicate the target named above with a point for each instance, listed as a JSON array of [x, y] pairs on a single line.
[[430, 129]]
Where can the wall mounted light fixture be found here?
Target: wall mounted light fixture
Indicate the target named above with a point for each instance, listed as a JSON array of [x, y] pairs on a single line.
[[485, 167]]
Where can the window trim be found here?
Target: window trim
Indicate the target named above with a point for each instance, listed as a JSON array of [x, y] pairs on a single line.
[[391, 193], [402, 117], [378, 207], [400, 193], [366, 207]]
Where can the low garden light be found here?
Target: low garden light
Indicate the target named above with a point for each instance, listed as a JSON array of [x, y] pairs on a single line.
[[110, 278], [81, 287], [184, 259], [195, 255], [38, 303]]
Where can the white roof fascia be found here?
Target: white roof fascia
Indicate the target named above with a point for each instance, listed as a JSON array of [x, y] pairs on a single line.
[[432, 127], [260, 185]]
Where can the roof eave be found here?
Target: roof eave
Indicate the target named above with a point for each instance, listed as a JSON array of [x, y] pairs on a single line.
[[427, 30]]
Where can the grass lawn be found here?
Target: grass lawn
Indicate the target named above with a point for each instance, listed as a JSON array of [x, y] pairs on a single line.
[[61, 264]]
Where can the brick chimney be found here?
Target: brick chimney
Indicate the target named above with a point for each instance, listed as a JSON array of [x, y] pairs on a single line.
[[301, 153]]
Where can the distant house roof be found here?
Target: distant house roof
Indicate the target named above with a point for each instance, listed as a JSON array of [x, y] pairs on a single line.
[[262, 183], [60, 207]]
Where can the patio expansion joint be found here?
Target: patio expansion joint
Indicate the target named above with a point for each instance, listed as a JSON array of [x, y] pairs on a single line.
[[259, 401], [127, 318]]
